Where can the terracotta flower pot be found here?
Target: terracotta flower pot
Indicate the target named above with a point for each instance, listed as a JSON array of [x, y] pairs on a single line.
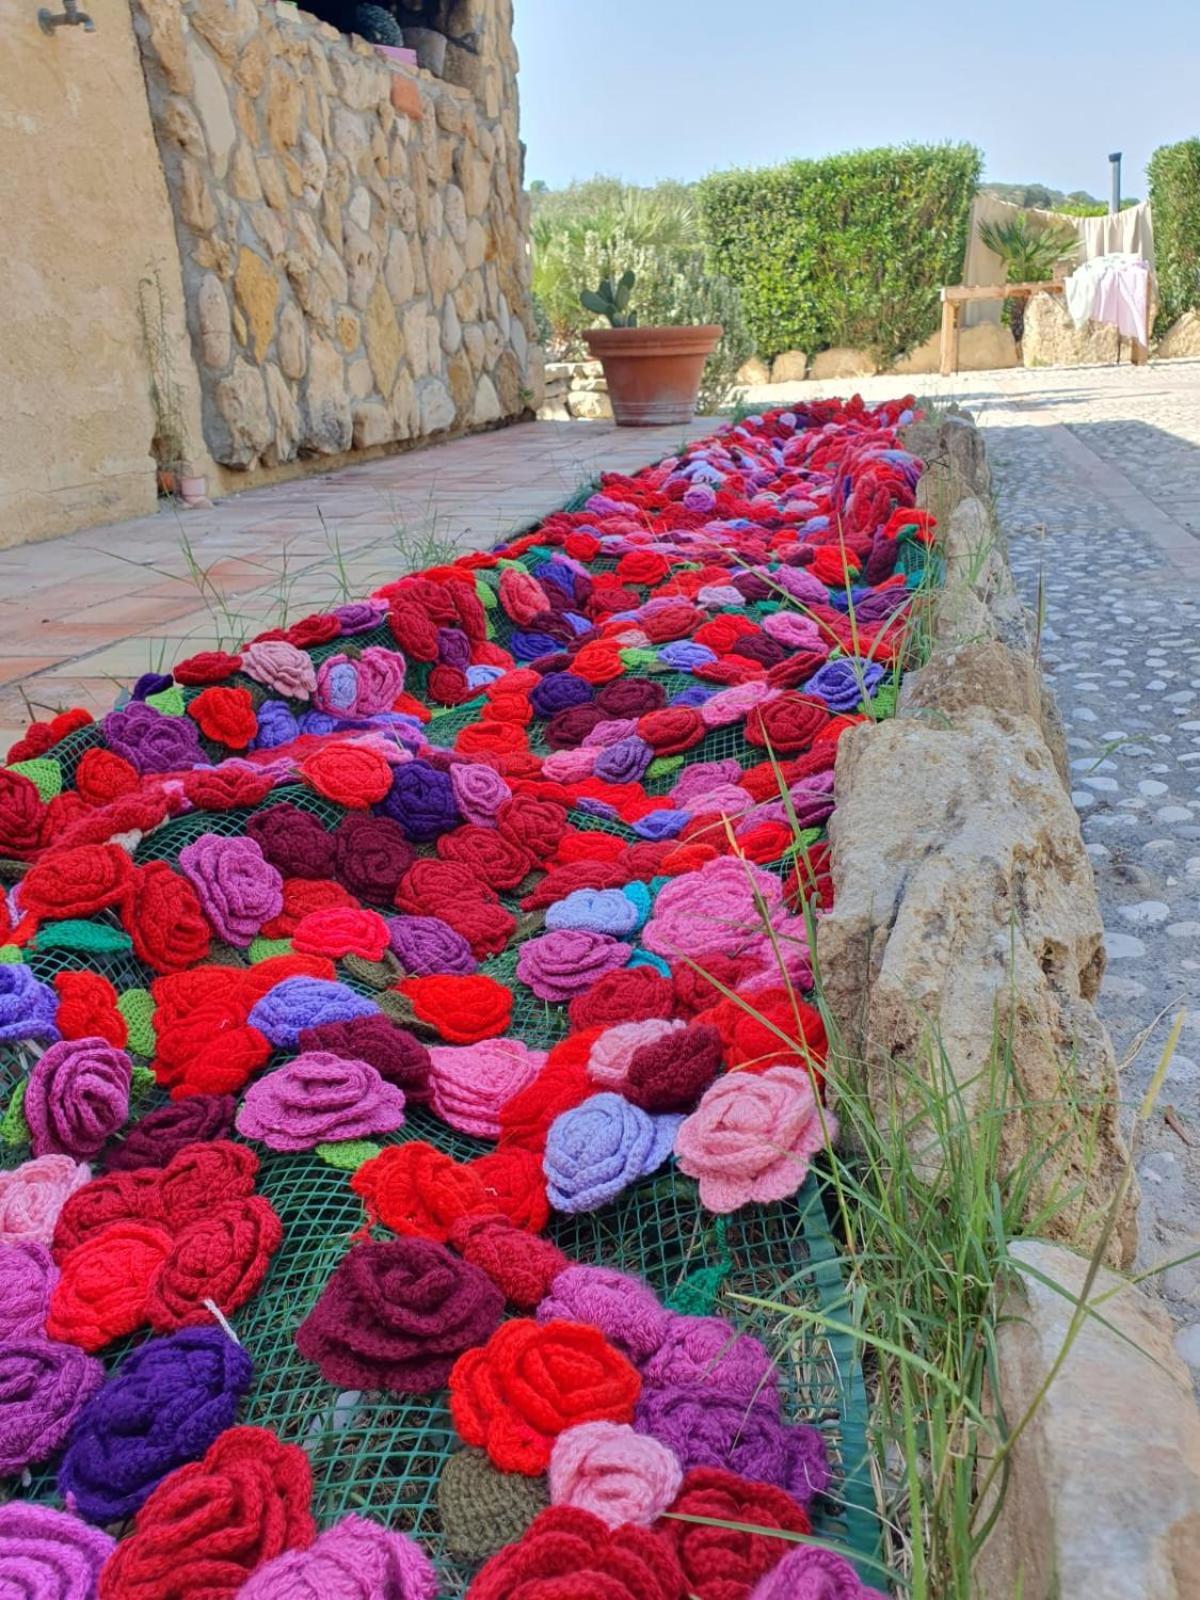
[[653, 374]]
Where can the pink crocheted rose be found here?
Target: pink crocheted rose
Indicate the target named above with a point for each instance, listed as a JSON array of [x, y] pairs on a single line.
[[616, 1474], [319, 1098], [239, 889], [610, 1057], [76, 1096], [32, 1195], [360, 686], [281, 667], [478, 791], [794, 631], [713, 911], [471, 1085], [751, 1137], [569, 766], [731, 705]]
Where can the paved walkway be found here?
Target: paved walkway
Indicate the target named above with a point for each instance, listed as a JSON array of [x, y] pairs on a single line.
[[1097, 486]]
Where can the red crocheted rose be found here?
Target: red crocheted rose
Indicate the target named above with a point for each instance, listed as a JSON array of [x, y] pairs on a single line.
[[201, 1177], [222, 1256], [87, 1008], [515, 1185], [413, 630], [532, 1381], [61, 814], [78, 882], [724, 1563], [526, 1119], [105, 1282], [351, 775], [566, 1553], [209, 666], [642, 566], [536, 825], [414, 1189], [339, 931], [220, 1065], [210, 1524], [129, 813], [559, 882], [463, 1010], [795, 669], [435, 888], [490, 738], [811, 879], [226, 715], [496, 858], [520, 1264], [628, 995], [226, 788], [787, 724], [672, 621], [752, 1037], [312, 631], [722, 633], [301, 897], [164, 917], [672, 730], [598, 662], [102, 775], [115, 1197], [448, 686]]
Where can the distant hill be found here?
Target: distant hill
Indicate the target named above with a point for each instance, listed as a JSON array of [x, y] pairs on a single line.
[[1078, 201]]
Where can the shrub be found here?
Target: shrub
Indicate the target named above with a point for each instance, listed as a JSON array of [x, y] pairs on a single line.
[[1174, 171], [851, 249]]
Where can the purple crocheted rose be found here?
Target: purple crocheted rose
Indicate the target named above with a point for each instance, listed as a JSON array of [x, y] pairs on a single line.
[[77, 1096], [625, 761], [319, 1098], [360, 687], [809, 1573], [298, 1003], [276, 726], [27, 1276], [559, 965], [663, 824], [708, 1428], [354, 1560], [27, 1008], [43, 1386], [454, 648], [150, 683], [708, 1353], [684, 655], [557, 691], [239, 889], [425, 945], [625, 1309], [597, 1149], [421, 800], [843, 684], [360, 616], [152, 741], [801, 585], [164, 1407], [57, 1556]]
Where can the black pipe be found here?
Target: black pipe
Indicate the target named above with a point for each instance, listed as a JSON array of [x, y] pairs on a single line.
[[1114, 198]]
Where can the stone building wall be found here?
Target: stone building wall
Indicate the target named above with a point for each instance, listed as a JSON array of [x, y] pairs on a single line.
[[353, 235]]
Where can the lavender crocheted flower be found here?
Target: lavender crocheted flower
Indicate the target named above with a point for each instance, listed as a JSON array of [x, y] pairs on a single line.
[[608, 911], [152, 741], [238, 887], [298, 1003], [360, 616], [844, 683], [77, 1096], [709, 1353], [319, 1098], [479, 791], [625, 1309], [597, 1149], [708, 1428], [27, 1007], [276, 726], [43, 1386], [625, 761], [425, 945], [561, 964]]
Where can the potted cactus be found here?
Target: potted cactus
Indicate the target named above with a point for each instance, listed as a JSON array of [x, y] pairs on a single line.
[[653, 374]]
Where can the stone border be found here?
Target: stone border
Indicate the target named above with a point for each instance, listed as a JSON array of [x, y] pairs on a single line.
[[964, 898]]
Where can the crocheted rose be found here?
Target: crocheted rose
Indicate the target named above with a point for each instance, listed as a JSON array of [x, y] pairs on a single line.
[[207, 666], [480, 1509], [319, 1098], [371, 855], [449, 891], [299, 1003], [597, 1149], [201, 1176], [427, 945], [57, 1556], [21, 814], [165, 919], [712, 911], [479, 791], [531, 1382], [165, 1406], [500, 862], [222, 1256], [77, 882], [279, 666], [154, 1138], [708, 1353], [625, 1309], [152, 742], [611, 1054], [397, 1316], [462, 1010], [238, 888], [669, 1073], [43, 1385], [360, 616], [27, 1008], [87, 1008], [616, 1474], [115, 1197], [752, 1136], [470, 1086], [514, 1185], [354, 1560], [566, 1551], [723, 1563], [630, 994], [559, 965], [417, 1190], [421, 799], [105, 1284], [76, 1096], [356, 776], [631, 697], [707, 1428], [293, 841], [210, 1524], [359, 687], [844, 683], [398, 1056], [33, 1194], [226, 716], [521, 1265], [596, 911], [27, 1276], [808, 1572]]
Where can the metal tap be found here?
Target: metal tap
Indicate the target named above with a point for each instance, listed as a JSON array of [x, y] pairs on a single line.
[[69, 17]]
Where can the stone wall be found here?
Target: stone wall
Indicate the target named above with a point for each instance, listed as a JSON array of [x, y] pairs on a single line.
[[576, 390], [352, 234]]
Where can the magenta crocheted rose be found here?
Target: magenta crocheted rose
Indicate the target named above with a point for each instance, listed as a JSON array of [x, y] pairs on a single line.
[[479, 792], [713, 911], [43, 1385], [32, 1195], [709, 1353], [27, 1275], [281, 667], [76, 1097], [239, 889], [319, 1098], [354, 1560], [55, 1556], [751, 1137], [471, 1085], [559, 965], [361, 686]]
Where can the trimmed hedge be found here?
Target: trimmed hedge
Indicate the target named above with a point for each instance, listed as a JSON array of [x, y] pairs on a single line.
[[1174, 171], [848, 250]]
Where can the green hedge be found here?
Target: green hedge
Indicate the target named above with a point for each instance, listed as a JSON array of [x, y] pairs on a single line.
[[848, 250], [1174, 171]]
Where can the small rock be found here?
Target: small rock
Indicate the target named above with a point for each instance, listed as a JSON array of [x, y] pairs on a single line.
[[1123, 946], [1145, 913]]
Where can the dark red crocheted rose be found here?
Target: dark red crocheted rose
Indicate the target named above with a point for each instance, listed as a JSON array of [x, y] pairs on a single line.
[[566, 729], [515, 1185], [226, 788], [536, 825], [155, 1138], [312, 631], [672, 621], [697, 991], [115, 1197], [532, 1381], [78, 882], [795, 669], [293, 841], [559, 882], [671, 1073], [787, 724], [210, 1524], [201, 1177], [165, 919], [130, 813], [526, 1119], [811, 879], [631, 697], [372, 854], [448, 686], [209, 666], [520, 1264], [672, 730], [435, 888], [566, 1553], [630, 994], [463, 1010], [722, 633], [496, 858], [226, 715], [724, 1563], [102, 775], [221, 1256], [397, 1316], [87, 1008], [414, 1189], [398, 1056]]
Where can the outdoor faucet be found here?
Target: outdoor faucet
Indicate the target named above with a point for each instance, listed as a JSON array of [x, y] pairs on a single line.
[[69, 17]]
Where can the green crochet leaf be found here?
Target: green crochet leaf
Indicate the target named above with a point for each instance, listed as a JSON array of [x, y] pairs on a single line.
[[169, 701], [663, 766], [637, 657], [263, 949], [348, 1154], [137, 1007], [14, 1130], [141, 1082], [10, 955], [44, 774], [80, 935]]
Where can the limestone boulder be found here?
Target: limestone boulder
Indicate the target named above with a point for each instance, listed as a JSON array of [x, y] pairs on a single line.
[[327, 423], [841, 362], [789, 367], [754, 373], [965, 914], [1103, 1497], [589, 406], [245, 429], [955, 460], [986, 347], [1182, 338], [1051, 339]]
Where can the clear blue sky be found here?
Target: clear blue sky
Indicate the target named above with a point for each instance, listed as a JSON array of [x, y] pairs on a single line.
[[647, 89]]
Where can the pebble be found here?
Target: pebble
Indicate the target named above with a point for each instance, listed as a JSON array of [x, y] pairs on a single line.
[[1183, 930], [1152, 787], [1187, 1345], [1145, 913], [1174, 814], [1123, 946]]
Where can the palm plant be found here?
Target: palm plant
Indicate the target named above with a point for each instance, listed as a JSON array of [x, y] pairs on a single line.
[[1030, 251]]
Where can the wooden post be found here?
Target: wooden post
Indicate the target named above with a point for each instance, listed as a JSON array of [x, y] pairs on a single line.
[[1139, 354], [949, 346]]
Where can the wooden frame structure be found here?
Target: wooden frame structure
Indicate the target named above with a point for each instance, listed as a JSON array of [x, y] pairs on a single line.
[[956, 295]]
